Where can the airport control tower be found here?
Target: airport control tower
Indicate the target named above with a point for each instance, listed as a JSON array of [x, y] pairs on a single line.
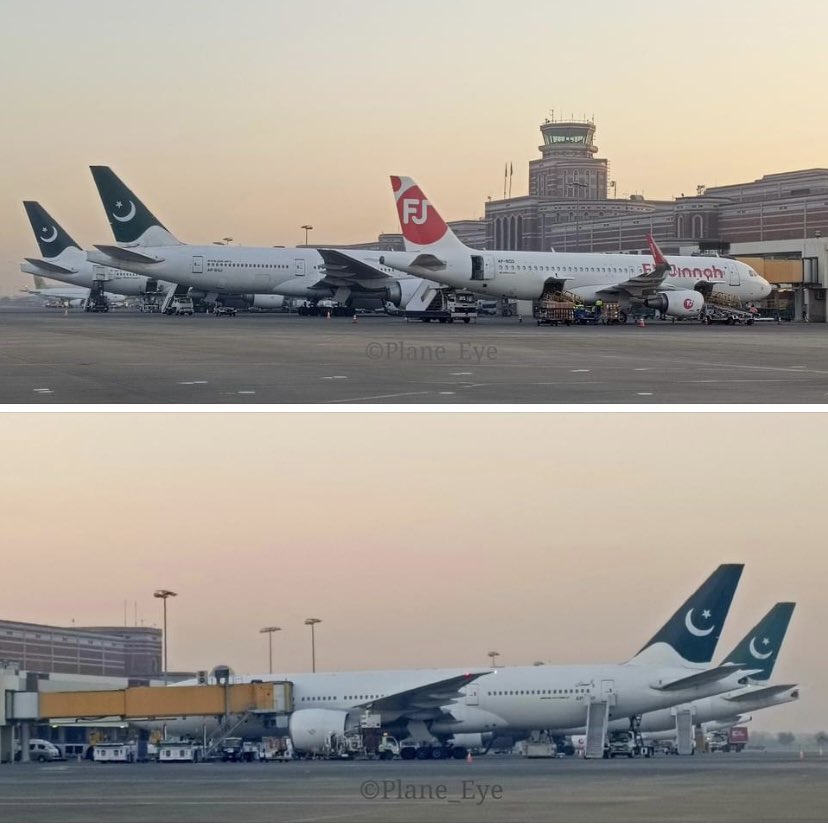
[[568, 167]]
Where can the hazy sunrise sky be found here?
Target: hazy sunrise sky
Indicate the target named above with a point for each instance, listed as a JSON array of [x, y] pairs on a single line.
[[248, 119], [420, 540]]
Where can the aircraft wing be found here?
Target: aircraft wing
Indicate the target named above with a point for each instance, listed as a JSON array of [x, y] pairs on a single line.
[[699, 679], [762, 693], [348, 268], [644, 284], [420, 699]]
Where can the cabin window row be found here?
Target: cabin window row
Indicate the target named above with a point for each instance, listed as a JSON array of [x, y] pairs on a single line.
[[534, 692]]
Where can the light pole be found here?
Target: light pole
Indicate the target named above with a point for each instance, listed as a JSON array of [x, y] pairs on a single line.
[[312, 621], [494, 655], [269, 630], [307, 228], [163, 594]]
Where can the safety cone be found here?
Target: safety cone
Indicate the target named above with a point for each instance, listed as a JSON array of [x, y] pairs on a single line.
[[354, 320], [469, 758], [640, 323]]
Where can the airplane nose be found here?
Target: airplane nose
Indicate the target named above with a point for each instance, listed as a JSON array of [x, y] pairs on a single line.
[[764, 289]]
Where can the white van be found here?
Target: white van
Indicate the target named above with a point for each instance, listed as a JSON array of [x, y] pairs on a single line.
[[40, 750]]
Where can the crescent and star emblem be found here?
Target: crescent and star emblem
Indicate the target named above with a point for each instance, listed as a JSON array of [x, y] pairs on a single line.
[[50, 238], [695, 630], [130, 214], [755, 652]]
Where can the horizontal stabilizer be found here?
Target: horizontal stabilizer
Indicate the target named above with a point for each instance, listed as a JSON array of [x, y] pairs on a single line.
[[428, 261], [50, 266], [699, 679], [127, 254], [762, 693]]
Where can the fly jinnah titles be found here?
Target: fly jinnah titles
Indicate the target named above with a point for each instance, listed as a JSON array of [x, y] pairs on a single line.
[[690, 272]]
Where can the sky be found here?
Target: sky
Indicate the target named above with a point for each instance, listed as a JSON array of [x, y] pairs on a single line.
[[252, 118], [420, 540]]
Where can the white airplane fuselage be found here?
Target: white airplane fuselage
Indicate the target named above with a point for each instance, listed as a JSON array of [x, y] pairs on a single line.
[[506, 699], [83, 273], [724, 707], [214, 268], [523, 275]]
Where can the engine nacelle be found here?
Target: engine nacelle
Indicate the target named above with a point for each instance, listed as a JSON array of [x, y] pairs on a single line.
[[264, 301], [401, 292], [683, 304], [472, 740], [313, 730], [468, 719]]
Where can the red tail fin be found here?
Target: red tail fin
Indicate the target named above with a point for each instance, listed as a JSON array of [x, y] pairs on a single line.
[[421, 224]]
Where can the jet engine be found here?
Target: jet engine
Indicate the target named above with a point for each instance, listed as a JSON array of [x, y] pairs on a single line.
[[472, 740], [401, 292], [683, 304], [264, 301], [313, 730]]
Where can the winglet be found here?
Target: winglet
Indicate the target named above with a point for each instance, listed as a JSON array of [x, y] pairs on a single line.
[[658, 256]]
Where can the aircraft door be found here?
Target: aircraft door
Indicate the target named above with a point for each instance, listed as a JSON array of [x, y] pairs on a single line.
[[733, 274], [198, 264], [472, 697], [300, 266], [482, 268], [607, 690]]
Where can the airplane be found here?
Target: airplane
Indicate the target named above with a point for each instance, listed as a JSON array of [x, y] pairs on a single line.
[[62, 259], [757, 651], [437, 705], [678, 288], [68, 296], [146, 246]]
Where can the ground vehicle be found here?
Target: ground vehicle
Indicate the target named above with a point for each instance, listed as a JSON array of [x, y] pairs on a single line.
[[554, 308], [180, 306], [179, 752], [627, 743], [448, 306], [232, 750], [729, 740], [117, 753], [41, 751], [539, 745], [223, 310]]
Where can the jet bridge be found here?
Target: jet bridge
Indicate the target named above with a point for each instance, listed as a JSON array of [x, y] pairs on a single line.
[[148, 702]]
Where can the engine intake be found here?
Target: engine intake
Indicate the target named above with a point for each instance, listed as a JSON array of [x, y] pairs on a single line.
[[317, 730], [683, 304]]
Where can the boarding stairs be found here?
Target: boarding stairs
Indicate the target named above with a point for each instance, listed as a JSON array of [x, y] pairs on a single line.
[[427, 297], [225, 730], [684, 731], [176, 291], [596, 728]]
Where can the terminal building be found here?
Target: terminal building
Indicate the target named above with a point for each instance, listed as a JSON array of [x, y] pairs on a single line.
[[777, 223], [102, 651]]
